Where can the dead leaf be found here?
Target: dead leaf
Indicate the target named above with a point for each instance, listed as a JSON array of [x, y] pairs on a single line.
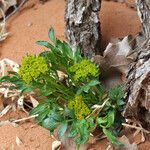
[[3, 32], [115, 61], [6, 4], [7, 122], [20, 103], [1, 103], [127, 146], [4, 111], [61, 75], [56, 145], [5, 64], [34, 101], [116, 54], [18, 141], [110, 147]]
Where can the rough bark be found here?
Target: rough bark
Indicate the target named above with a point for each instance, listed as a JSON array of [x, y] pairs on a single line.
[[143, 9], [138, 85], [83, 26], [138, 90]]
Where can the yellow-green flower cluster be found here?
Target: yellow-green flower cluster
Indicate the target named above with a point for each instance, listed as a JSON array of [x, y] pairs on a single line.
[[80, 109], [83, 70], [32, 67]]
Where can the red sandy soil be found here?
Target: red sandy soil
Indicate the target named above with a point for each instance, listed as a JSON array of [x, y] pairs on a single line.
[[32, 136], [31, 24], [34, 20]]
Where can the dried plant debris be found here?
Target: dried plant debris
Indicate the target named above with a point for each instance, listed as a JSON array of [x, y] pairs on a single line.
[[11, 99], [4, 15], [6, 4], [56, 145], [138, 130], [116, 59], [34, 101], [6, 64], [1, 103], [5, 110], [117, 54], [127, 144], [43, 1], [18, 141], [3, 32], [7, 122]]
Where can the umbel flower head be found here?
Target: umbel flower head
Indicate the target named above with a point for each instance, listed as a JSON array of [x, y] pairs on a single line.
[[32, 67], [83, 70], [80, 109]]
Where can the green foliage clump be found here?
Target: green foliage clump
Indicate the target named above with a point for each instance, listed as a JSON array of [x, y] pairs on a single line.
[[79, 107], [83, 70], [32, 67], [76, 103]]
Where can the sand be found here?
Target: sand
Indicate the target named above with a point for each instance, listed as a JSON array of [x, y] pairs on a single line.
[[33, 21]]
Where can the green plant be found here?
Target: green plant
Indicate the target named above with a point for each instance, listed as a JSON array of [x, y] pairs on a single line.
[[76, 103]]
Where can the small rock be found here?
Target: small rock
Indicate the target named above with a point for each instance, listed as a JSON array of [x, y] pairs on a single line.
[[29, 24]]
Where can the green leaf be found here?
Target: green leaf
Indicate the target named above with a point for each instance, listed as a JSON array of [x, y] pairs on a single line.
[[45, 44], [84, 135], [72, 133], [51, 35], [68, 112], [116, 93], [110, 118], [46, 55], [55, 114], [46, 91], [102, 121], [62, 129], [112, 138], [77, 55], [87, 87], [68, 49], [42, 116], [50, 124], [91, 123], [120, 102], [82, 139], [39, 109], [83, 131]]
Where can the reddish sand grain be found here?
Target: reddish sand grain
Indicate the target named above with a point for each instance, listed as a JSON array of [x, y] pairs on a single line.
[[31, 24]]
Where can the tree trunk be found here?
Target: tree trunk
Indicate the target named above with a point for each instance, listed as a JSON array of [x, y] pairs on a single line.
[[83, 26], [138, 86], [143, 8]]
